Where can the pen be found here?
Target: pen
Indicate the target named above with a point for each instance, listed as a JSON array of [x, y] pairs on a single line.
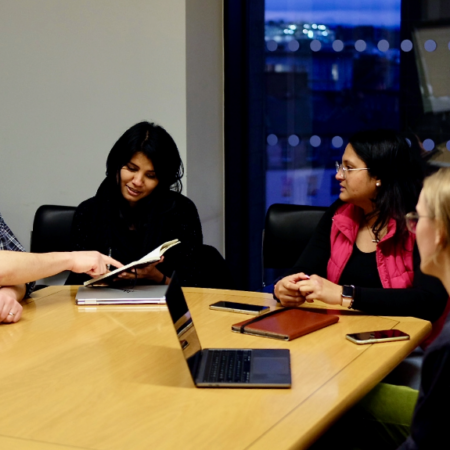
[[108, 266]]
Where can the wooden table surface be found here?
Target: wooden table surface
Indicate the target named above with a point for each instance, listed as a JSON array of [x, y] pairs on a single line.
[[114, 377]]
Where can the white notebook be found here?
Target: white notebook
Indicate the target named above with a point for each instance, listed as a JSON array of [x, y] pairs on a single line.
[[153, 256]]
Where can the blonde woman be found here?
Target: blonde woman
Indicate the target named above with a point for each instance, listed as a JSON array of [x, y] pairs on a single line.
[[392, 417], [431, 223]]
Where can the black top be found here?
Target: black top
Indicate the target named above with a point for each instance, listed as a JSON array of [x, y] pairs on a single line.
[[426, 299], [363, 264], [103, 224], [430, 420]]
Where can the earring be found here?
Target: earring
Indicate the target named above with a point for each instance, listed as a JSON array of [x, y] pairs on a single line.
[[377, 183]]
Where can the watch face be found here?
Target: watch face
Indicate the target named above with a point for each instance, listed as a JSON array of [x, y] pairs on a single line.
[[347, 291]]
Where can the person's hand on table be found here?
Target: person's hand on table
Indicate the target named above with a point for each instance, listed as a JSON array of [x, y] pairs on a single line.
[[92, 263], [10, 308], [287, 290], [318, 288], [149, 272]]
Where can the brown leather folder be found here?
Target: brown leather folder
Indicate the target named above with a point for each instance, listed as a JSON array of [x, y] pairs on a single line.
[[285, 324]]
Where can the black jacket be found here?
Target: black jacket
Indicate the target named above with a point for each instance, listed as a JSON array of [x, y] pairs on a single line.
[[430, 420], [102, 223]]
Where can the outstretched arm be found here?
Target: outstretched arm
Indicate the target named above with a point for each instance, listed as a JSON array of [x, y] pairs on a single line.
[[17, 267]]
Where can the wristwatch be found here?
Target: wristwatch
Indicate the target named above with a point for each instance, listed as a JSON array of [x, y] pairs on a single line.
[[348, 295]]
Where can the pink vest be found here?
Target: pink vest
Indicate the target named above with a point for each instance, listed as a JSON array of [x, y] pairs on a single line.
[[394, 259]]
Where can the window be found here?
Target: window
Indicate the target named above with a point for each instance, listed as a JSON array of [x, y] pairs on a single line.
[[301, 77]]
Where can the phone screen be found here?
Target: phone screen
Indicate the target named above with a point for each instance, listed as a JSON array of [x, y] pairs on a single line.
[[382, 334], [238, 306], [377, 336]]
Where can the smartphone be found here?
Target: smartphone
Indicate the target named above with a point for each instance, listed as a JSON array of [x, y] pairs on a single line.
[[372, 337], [242, 308]]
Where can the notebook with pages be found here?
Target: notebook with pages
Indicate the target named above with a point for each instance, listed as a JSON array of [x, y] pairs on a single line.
[[222, 367]]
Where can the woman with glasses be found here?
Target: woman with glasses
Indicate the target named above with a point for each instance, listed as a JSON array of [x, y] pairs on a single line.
[[362, 255], [393, 417]]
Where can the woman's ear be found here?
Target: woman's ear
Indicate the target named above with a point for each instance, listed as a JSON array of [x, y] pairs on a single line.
[[440, 238]]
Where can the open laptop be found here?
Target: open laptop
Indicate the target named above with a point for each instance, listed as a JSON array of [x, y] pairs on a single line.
[[136, 295], [220, 367]]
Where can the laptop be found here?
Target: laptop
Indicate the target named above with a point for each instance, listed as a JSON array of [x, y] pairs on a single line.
[[136, 295], [223, 367]]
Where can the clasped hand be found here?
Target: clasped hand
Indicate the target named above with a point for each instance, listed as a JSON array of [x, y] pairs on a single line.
[[294, 290]]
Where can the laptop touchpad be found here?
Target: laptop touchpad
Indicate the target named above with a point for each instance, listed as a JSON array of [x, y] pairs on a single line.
[[270, 366]]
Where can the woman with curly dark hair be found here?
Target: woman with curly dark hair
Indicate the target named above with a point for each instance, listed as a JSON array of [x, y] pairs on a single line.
[[362, 256], [139, 207]]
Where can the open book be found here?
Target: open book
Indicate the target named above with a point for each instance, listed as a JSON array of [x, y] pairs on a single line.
[[153, 256]]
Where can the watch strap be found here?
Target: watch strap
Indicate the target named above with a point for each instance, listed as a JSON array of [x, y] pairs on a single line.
[[347, 302]]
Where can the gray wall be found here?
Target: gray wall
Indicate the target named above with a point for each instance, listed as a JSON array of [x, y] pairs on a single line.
[[76, 74], [204, 76]]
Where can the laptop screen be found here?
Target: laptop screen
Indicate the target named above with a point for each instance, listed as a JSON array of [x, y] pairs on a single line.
[[184, 326]]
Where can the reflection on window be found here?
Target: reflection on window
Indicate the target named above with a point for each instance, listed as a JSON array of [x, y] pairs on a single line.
[[331, 69]]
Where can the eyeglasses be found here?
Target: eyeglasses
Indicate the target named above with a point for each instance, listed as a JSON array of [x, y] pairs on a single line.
[[411, 221], [345, 169]]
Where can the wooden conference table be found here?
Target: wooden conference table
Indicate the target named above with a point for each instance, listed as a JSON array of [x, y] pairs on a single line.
[[115, 378]]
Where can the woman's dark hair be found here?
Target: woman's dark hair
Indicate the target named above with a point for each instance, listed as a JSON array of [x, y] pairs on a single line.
[[400, 169], [155, 143]]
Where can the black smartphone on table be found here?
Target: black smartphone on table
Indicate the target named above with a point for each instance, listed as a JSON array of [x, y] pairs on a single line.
[[243, 308], [373, 337]]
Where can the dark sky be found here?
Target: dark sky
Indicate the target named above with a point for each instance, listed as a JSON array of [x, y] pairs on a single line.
[[346, 12]]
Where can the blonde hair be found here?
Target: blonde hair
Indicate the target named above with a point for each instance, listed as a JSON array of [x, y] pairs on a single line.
[[436, 193]]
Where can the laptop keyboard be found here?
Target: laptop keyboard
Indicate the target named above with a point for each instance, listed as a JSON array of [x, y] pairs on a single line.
[[228, 366]]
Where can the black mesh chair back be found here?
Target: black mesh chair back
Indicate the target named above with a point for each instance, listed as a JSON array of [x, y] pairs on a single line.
[[287, 231], [51, 229]]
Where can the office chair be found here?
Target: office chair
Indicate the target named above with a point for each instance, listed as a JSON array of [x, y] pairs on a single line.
[[51, 233], [215, 273], [287, 231], [51, 229]]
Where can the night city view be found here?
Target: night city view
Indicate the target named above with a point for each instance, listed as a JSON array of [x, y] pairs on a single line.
[[328, 74]]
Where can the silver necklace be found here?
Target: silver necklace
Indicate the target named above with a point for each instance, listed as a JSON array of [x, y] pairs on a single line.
[[375, 241]]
